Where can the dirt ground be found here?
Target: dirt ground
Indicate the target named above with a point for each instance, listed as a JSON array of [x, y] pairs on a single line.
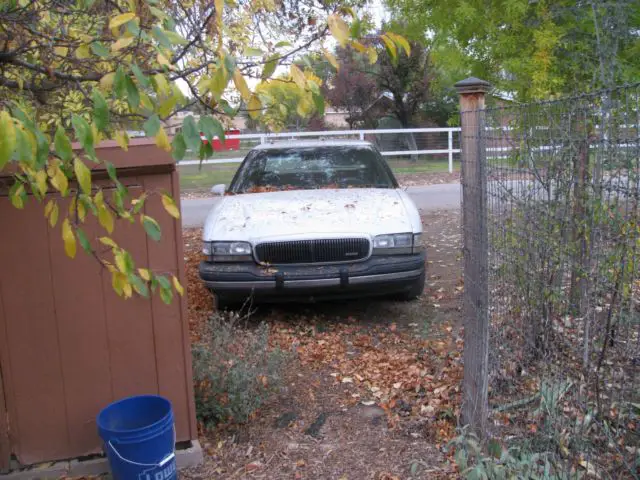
[[371, 392]]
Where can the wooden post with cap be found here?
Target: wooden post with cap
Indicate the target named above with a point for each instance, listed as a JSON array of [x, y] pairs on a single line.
[[475, 406]]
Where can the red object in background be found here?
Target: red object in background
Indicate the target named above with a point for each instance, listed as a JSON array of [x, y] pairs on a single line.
[[228, 144]]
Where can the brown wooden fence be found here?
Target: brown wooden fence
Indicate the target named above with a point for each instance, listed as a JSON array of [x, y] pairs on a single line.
[[68, 344]]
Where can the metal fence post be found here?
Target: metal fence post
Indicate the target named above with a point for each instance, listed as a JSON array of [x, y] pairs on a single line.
[[450, 151], [474, 222]]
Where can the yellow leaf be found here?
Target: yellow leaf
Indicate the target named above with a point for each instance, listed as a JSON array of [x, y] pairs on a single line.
[[121, 19], [68, 238], [339, 28], [53, 216], [332, 59], [118, 280], [219, 9], [178, 286], [83, 52], [107, 242], [105, 218], [241, 85], [120, 262], [7, 138], [161, 82], [16, 197], [162, 140], [163, 61], [82, 211], [170, 206], [59, 179], [47, 208], [123, 139], [61, 51], [359, 47], [391, 47], [298, 76], [72, 206], [254, 106], [373, 55], [126, 289], [41, 181], [145, 274], [106, 82], [400, 40], [83, 175], [122, 42]]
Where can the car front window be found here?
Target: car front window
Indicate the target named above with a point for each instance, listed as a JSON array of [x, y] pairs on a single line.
[[312, 168]]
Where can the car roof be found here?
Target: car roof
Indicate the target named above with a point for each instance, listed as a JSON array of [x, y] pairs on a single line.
[[270, 145]]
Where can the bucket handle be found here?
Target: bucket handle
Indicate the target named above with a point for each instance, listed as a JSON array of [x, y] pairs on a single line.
[[162, 462]]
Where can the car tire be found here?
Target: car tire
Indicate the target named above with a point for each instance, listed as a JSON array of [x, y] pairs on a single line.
[[417, 288]]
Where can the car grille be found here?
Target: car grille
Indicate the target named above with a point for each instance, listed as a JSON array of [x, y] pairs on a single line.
[[313, 251]]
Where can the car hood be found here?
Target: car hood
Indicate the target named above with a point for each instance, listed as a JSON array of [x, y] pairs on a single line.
[[293, 214]]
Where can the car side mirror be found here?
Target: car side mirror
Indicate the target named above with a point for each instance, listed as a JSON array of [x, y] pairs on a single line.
[[219, 189]]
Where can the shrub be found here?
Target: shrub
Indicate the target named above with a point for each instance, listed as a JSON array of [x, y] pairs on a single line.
[[234, 369]]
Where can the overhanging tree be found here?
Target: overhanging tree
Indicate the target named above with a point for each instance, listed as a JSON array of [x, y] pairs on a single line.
[[88, 70]]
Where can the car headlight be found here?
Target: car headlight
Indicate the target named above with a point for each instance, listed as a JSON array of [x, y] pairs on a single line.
[[227, 251], [397, 244]]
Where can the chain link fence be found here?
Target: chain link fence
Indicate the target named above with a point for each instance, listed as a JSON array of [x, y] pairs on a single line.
[[553, 258]]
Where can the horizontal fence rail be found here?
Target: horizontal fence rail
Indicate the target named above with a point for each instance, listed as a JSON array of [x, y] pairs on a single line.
[[446, 139]]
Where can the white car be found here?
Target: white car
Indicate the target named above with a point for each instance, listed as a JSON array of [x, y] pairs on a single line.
[[311, 221]]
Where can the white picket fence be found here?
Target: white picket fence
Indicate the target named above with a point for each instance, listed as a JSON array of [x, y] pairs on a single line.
[[443, 141]]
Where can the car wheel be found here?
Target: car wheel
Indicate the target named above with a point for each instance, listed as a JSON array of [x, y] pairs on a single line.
[[416, 289]]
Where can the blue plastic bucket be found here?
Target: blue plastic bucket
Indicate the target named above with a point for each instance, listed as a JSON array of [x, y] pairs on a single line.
[[139, 438]]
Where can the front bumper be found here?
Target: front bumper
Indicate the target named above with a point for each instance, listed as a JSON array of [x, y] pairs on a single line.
[[379, 275]]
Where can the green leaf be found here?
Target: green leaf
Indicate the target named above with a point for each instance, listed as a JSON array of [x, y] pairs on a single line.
[[23, 145], [163, 282], [270, 67], [100, 50], [252, 52], [211, 128], [166, 294], [318, 100], [151, 227], [152, 125], [494, 448], [160, 36], [143, 80], [120, 83], [63, 145], [229, 63], [111, 170], [133, 96], [139, 285], [100, 110], [7, 138], [176, 39], [282, 44], [191, 134], [179, 147], [43, 149], [84, 241], [84, 134]]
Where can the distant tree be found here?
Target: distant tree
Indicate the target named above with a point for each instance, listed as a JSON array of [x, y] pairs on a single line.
[[353, 87], [533, 49]]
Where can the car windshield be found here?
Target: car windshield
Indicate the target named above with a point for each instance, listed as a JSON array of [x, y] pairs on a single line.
[[298, 168]]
